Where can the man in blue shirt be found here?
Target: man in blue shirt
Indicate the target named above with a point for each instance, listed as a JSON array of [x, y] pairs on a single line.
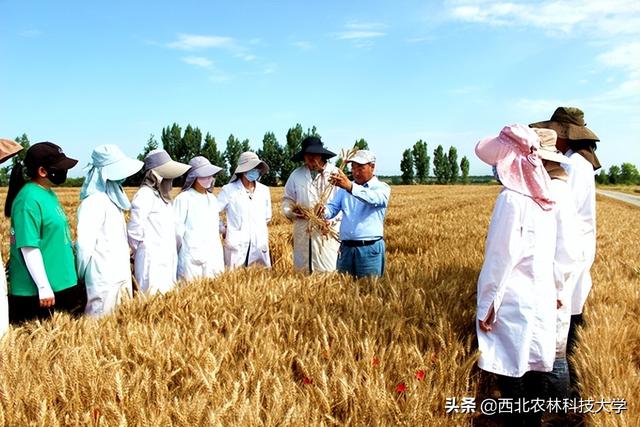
[[364, 205]]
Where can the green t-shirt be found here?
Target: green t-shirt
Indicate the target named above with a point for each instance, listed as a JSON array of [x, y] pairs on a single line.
[[38, 220]]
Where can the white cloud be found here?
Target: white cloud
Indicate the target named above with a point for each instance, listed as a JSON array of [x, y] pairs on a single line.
[[303, 45], [350, 35], [30, 33], [591, 18], [361, 34], [198, 61], [195, 42]]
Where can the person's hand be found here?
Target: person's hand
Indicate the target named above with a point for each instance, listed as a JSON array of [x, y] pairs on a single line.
[[47, 302], [339, 179], [485, 325], [298, 213]]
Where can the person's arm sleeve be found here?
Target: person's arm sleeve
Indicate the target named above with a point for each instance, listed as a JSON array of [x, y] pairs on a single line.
[[502, 251], [180, 210], [568, 248], [335, 205], [140, 210], [223, 204], [583, 195], [269, 212], [377, 197], [91, 216], [27, 221], [35, 265], [289, 199]]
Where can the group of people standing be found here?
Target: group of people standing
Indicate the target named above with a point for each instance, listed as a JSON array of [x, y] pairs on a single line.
[[540, 246], [170, 239]]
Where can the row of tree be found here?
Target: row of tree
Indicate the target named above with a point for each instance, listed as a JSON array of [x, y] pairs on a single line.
[[624, 174], [183, 146], [415, 165]]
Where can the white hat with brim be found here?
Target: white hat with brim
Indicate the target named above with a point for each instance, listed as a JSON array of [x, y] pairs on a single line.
[[160, 162], [247, 161], [201, 167], [8, 149], [548, 150], [115, 165], [363, 157]]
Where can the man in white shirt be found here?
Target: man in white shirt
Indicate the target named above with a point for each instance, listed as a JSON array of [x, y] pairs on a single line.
[[308, 187]]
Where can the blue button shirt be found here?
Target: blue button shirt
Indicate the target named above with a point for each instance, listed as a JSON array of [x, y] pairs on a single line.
[[363, 210]]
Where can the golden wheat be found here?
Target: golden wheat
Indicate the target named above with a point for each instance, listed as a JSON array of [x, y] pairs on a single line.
[[259, 347]]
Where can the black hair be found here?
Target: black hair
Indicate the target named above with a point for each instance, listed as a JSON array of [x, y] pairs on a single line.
[[16, 182]]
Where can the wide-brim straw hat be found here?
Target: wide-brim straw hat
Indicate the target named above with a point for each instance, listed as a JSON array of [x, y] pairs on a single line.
[[247, 161], [8, 149], [548, 150], [312, 145], [160, 162], [115, 165], [568, 122]]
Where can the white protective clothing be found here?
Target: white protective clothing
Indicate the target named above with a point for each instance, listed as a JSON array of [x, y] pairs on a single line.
[[311, 250], [568, 258], [583, 189], [102, 254], [152, 237], [197, 219], [517, 280], [247, 237]]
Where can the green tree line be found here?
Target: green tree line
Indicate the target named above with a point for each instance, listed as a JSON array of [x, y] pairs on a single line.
[[416, 163], [625, 174]]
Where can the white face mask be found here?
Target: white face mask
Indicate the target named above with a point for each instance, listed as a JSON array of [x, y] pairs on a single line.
[[206, 182]]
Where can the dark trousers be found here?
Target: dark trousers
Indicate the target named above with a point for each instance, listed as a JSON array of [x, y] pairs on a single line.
[[531, 385], [71, 300]]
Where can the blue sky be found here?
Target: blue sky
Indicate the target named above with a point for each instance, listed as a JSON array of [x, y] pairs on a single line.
[[83, 73]]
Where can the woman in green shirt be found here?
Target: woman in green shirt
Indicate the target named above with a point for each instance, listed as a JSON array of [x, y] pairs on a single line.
[[42, 274]]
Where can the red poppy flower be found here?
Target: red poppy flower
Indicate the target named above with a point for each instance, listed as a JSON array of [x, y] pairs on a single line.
[[307, 381], [420, 375], [375, 361], [401, 388]]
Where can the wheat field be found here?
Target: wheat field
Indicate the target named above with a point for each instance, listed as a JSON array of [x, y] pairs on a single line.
[[259, 347]]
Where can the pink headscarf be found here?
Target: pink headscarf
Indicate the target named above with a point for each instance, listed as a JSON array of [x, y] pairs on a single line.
[[514, 153]]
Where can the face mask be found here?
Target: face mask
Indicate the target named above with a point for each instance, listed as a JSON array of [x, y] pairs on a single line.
[[495, 174], [206, 182], [56, 176], [252, 175]]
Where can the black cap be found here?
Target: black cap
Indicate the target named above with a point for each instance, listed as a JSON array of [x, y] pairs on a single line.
[[48, 155]]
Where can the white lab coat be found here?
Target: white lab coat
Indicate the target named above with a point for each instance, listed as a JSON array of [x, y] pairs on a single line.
[[569, 256], [4, 303], [102, 254], [246, 229], [198, 235], [583, 188], [517, 279], [311, 250], [152, 235]]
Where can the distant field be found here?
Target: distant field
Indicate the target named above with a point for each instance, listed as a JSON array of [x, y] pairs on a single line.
[[257, 347]]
